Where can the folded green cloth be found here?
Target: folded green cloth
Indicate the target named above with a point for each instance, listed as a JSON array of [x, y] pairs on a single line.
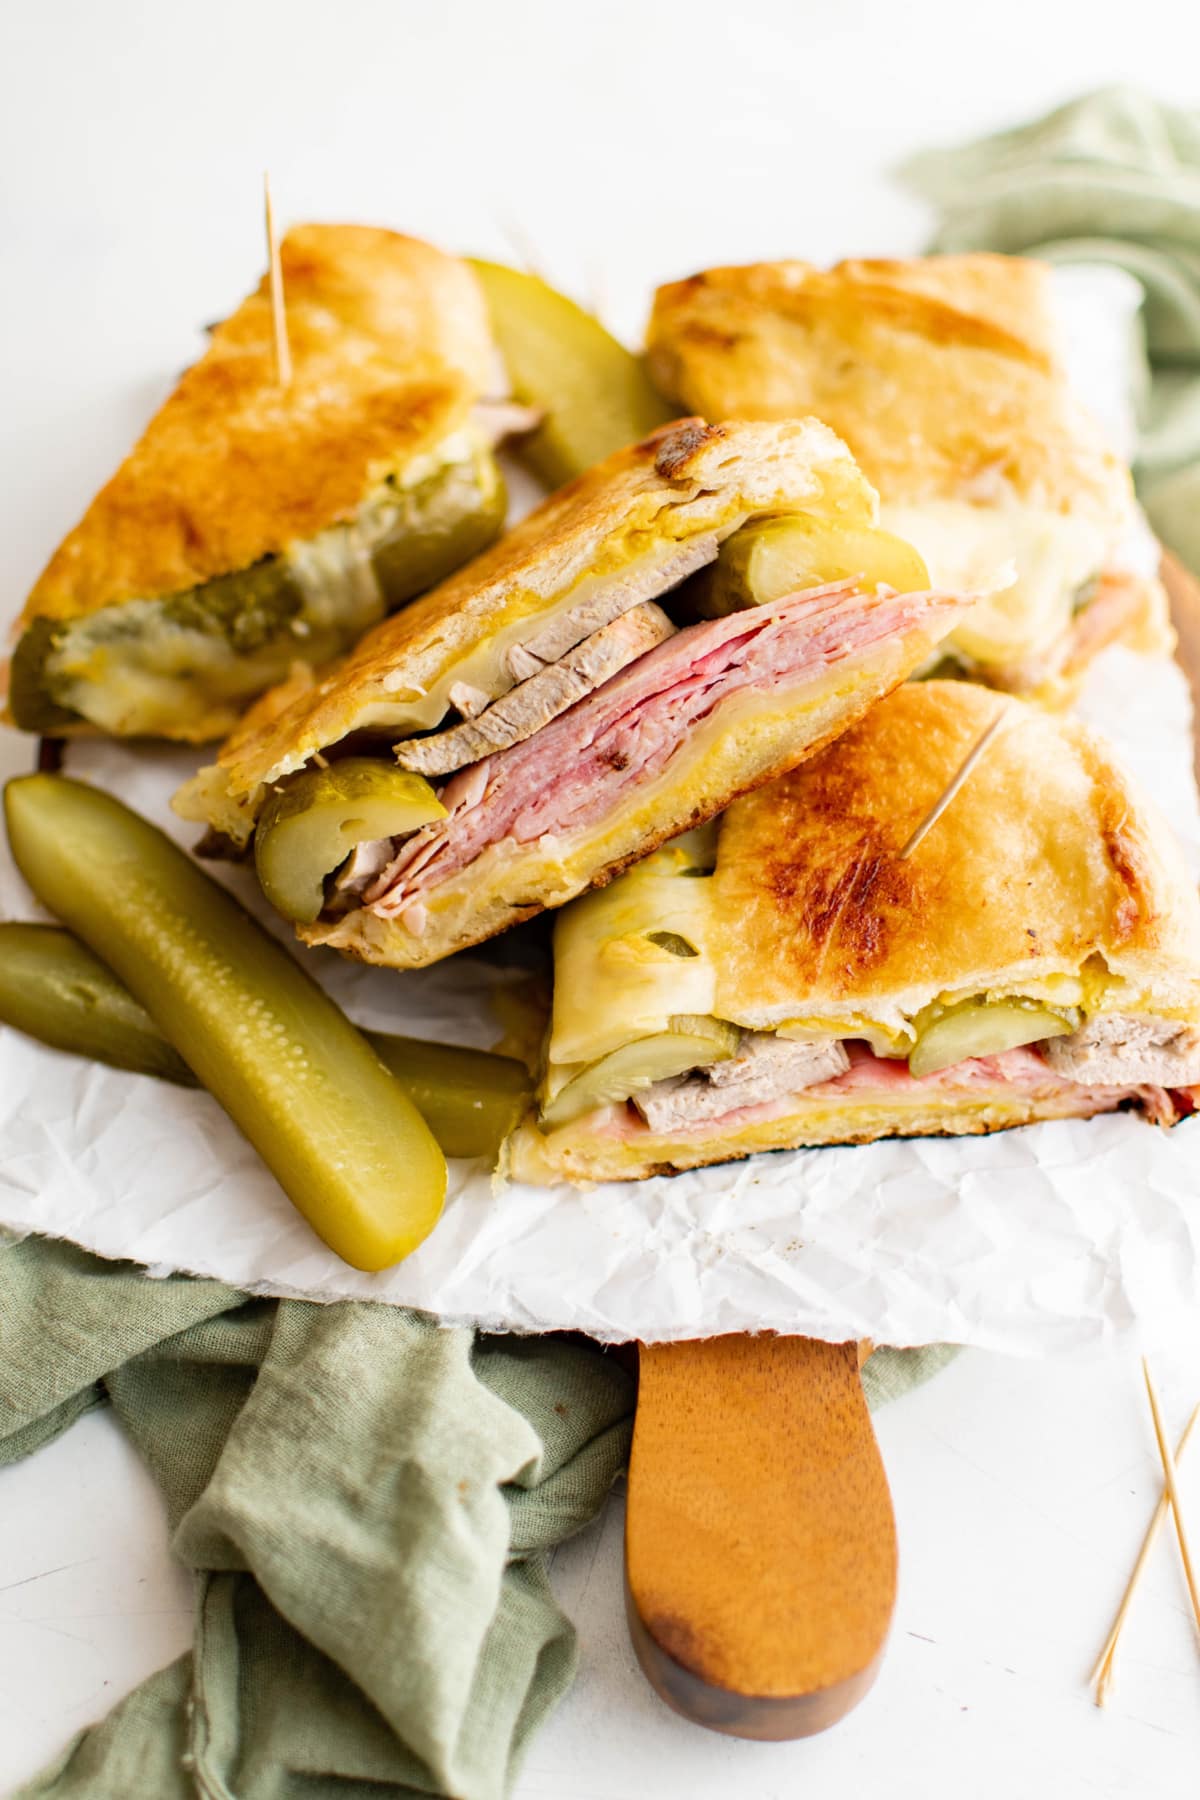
[[1113, 177], [366, 1500]]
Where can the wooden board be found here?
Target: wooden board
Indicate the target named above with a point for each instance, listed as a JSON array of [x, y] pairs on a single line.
[[760, 1550]]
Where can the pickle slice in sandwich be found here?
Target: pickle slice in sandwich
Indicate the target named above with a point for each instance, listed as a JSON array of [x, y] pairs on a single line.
[[773, 557], [691, 1042], [980, 1028], [312, 822], [254, 526]]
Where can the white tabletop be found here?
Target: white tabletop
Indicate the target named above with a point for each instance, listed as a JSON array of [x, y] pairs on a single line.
[[1021, 1493], [630, 143]]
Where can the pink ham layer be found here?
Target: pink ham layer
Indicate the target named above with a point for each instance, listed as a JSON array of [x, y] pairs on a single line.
[[576, 769], [872, 1077]]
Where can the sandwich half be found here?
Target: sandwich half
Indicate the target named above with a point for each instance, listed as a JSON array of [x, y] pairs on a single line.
[[943, 376], [788, 979], [253, 524], [540, 720]]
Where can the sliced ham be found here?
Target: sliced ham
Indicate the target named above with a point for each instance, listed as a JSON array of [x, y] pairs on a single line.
[[574, 771]]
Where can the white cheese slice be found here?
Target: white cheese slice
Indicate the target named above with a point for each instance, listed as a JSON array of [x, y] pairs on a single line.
[[1026, 563]]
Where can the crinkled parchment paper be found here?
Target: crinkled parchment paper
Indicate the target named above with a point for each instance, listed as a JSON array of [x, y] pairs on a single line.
[[1028, 1241]]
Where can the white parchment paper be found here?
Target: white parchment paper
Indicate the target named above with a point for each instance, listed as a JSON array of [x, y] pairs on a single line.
[[1027, 1241]]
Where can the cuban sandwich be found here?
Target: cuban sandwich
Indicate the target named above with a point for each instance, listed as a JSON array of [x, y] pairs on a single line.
[[789, 977], [945, 378], [255, 523], [547, 715]]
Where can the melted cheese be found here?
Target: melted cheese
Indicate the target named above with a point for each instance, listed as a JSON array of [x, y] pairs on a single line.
[[1026, 563], [613, 983]]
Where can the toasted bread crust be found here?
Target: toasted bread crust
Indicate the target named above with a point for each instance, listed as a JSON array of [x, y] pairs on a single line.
[[1048, 857], [390, 345], [940, 373]]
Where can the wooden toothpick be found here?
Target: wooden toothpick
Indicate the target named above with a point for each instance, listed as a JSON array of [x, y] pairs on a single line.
[[1168, 1463], [283, 353], [1102, 1674], [972, 757]]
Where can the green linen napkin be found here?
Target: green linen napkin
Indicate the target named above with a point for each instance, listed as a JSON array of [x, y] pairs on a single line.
[[1113, 177], [366, 1500]]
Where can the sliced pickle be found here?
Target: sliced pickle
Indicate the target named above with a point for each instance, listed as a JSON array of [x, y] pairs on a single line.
[[30, 702], [984, 1028], [772, 557], [311, 823], [440, 524], [691, 1043], [249, 607], [594, 393]]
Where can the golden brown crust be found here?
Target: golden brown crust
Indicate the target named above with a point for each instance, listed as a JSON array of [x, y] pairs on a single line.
[[390, 346], [1047, 858], [682, 481], [940, 373]]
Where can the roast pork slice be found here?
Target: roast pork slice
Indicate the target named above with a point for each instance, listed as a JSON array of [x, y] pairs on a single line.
[[765, 1068], [533, 703], [618, 594], [1116, 1048]]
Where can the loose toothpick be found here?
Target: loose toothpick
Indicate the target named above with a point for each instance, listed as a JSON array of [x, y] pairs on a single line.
[[1168, 1463], [283, 352], [972, 757], [1102, 1674]]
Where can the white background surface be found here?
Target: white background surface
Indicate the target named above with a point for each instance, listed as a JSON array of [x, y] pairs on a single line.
[[631, 142]]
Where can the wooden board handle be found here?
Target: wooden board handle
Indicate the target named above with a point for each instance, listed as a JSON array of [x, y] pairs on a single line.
[[760, 1544]]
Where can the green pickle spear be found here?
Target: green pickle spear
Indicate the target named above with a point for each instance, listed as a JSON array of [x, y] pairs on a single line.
[[772, 557], [470, 1099], [348, 1148], [54, 989], [312, 822], [594, 393]]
